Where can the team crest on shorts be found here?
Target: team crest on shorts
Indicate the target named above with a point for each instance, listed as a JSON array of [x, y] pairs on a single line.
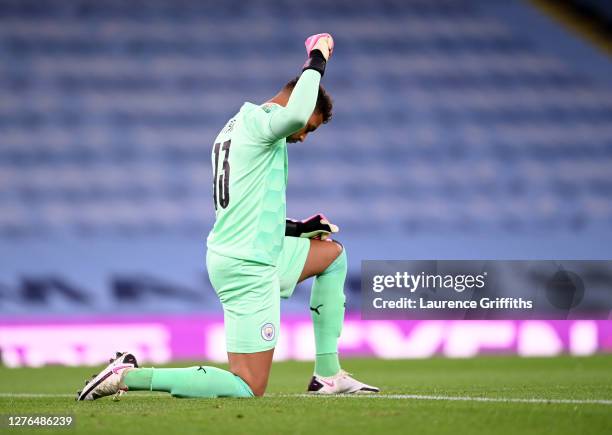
[[268, 332]]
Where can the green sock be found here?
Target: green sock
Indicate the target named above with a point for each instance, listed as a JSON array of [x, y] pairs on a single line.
[[327, 364], [327, 312], [202, 381]]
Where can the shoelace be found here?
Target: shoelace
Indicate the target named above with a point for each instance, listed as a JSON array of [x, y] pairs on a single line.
[[340, 375], [344, 374]]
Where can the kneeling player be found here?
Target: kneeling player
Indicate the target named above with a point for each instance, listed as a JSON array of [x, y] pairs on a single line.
[[255, 256]]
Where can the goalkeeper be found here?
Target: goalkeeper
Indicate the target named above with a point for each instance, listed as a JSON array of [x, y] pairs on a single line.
[[255, 256]]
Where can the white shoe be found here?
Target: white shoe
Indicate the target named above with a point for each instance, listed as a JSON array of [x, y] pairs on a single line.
[[341, 383], [110, 380]]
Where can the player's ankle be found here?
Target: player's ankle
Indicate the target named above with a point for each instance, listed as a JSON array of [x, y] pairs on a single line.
[[328, 376]]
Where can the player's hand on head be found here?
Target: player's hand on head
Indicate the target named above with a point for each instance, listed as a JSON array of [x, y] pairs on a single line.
[[322, 42]]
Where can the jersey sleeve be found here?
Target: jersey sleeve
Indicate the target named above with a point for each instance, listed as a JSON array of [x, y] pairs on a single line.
[[270, 123]]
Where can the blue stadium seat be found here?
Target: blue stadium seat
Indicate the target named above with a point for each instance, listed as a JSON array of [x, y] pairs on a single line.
[[114, 106]]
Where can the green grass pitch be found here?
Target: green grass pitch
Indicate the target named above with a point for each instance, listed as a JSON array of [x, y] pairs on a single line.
[[586, 381]]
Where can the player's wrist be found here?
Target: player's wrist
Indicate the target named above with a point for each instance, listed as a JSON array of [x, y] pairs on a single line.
[[316, 61], [293, 228]]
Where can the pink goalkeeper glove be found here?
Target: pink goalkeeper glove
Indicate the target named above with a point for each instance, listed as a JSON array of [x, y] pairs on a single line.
[[321, 41]]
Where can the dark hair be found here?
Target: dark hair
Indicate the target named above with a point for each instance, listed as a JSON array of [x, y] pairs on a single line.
[[324, 102]]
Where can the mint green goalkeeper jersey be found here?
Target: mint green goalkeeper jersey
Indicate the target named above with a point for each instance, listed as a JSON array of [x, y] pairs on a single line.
[[249, 163]]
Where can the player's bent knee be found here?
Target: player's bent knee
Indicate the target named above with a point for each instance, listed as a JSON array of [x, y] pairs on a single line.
[[255, 379], [338, 247], [340, 262], [334, 251], [257, 385], [258, 391]]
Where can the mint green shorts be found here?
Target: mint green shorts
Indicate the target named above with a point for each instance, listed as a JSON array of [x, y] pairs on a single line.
[[250, 294]]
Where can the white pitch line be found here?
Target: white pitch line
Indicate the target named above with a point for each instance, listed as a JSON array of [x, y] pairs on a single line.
[[377, 396], [460, 398], [35, 395]]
